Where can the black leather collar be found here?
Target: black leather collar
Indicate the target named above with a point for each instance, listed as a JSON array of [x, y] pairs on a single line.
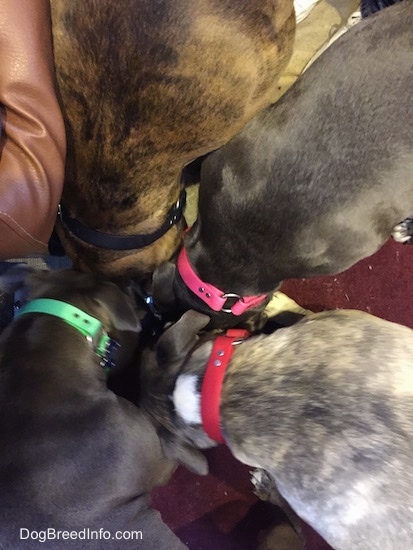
[[121, 242]]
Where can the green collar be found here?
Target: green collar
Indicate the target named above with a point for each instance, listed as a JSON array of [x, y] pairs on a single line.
[[89, 326]]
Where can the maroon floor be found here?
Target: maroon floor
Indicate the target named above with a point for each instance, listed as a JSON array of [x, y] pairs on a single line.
[[219, 511]]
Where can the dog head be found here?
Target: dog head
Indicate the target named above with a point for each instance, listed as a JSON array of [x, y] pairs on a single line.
[[173, 95], [177, 351], [100, 298]]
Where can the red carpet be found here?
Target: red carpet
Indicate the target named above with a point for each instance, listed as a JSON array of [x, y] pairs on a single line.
[[219, 511]]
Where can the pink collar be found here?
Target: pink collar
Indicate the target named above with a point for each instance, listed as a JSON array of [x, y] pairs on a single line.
[[213, 379], [210, 294]]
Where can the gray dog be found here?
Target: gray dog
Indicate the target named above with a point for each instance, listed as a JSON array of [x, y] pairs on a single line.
[[75, 457], [311, 185], [324, 406]]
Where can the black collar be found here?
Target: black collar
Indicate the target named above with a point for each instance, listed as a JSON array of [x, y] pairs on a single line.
[[121, 242]]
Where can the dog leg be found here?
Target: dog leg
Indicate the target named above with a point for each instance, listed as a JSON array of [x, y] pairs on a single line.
[[403, 232], [266, 489]]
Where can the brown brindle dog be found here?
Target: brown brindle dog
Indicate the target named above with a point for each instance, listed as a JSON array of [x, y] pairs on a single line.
[[146, 87]]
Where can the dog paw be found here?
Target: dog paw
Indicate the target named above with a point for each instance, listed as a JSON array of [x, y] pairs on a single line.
[[403, 231], [288, 535], [264, 484]]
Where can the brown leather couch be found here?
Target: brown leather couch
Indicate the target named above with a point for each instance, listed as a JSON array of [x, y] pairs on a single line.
[[32, 145]]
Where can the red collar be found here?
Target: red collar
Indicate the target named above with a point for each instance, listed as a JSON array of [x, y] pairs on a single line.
[[211, 295], [213, 379]]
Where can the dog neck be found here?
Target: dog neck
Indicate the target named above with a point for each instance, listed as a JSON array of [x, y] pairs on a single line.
[[215, 298], [120, 242], [90, 327], [204, 408]]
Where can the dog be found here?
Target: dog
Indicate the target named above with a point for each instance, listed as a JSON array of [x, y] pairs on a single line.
[[75, 456], [147, 87], [323, 406], [368, 7], [311, 185]]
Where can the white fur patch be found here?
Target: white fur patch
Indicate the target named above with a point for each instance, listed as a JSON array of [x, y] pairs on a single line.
[[186, 399], [358, 504]]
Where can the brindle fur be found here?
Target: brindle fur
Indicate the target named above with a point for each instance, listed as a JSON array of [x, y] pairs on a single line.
[[325, 406], [147, 86]]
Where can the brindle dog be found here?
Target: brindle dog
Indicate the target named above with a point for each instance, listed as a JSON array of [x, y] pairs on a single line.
[[146, 87], [324, 406]]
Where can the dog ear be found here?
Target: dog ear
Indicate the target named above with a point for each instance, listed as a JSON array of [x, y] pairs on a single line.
[[119, 306], [13, 275], [184, 454], [177, 341], [42, 281], [163, 285]]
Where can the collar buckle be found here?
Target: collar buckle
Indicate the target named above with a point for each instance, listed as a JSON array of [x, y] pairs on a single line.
[[230, 295], [106, 350]]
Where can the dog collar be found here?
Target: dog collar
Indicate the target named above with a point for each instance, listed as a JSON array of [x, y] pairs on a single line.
[[213, 379], [210, 294], [89, 326], [121, 242]]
